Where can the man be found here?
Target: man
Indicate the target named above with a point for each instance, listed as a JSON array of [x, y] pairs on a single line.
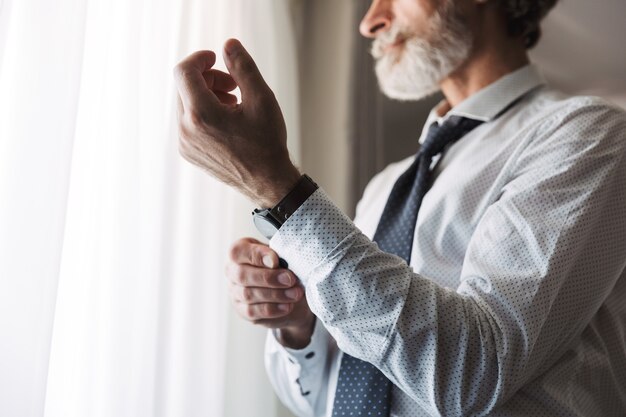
[[497, 282]]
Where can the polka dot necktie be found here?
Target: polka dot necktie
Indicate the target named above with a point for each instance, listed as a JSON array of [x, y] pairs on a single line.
[[362, 390]]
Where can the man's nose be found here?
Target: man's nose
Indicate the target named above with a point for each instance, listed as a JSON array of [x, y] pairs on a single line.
[[378, 18]]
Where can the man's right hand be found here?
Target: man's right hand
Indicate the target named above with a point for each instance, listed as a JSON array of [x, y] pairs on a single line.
[[267, 295]]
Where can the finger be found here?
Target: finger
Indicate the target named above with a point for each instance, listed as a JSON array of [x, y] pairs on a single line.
[[252, 276], [254, 312], [258, 295], [218, 80], [252, 252], [190, 82], [179, 107], [244, 71], [226, 98]]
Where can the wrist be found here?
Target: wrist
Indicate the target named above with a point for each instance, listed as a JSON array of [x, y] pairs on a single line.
[[297, 337], [269, 220], [270, 192]]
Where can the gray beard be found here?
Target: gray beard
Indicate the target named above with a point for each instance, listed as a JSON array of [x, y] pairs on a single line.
[[417, 68]]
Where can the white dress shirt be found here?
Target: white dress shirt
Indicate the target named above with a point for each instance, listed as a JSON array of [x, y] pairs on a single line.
[[514, 303]]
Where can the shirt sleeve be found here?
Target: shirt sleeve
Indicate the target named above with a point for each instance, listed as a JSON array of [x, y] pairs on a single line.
[[300, 376], [540, 262]]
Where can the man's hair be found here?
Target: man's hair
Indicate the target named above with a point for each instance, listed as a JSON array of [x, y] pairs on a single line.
[[523, 18]]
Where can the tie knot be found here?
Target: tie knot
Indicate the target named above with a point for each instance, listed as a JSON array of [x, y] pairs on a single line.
[[439, 137]]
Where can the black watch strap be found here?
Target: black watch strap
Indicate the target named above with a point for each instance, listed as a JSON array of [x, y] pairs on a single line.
[[294, 199]]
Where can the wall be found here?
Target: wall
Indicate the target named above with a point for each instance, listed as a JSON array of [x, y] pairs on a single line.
[[326, 30]]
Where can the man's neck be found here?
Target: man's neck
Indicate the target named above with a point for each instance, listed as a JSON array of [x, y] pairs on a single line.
[[481, 69]]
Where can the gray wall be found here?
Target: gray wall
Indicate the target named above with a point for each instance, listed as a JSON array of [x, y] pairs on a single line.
[[326, 33]]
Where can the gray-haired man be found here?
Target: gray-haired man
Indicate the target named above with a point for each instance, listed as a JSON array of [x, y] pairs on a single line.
[[496, 283]]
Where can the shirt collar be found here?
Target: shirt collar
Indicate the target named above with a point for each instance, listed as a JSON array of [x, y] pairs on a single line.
[[488, 103]]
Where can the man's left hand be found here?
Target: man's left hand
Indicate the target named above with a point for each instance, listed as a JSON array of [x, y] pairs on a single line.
[[243, 145]]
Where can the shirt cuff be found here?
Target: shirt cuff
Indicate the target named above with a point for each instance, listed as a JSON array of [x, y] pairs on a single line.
[[312, 232], [355, 289], [307, 354], [303, 365]]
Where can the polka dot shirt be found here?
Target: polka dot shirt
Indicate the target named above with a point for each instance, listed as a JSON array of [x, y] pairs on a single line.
[[514, 303]]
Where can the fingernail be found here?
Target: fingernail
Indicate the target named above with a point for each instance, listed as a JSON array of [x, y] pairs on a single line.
[[283, 307], [231, 48], [284, 278], [292, 293], [268, 261]]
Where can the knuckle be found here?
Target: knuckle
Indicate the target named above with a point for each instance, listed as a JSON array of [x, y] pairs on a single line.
[[273, 295], [277, 295], [196, 117], [233, 271], [234, 298], [184, 74], [238, 273], [236, 249], [258, 255], [250, 312], [178, 71], [269, 97], [247, 294], [232, 292], [254, 254], [268, 278], [267, 310]]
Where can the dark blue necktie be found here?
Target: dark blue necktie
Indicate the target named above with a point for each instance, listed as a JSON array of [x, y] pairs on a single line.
[[362, 390]]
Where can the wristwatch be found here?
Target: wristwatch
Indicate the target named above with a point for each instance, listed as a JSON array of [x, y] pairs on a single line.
[[268, 221]]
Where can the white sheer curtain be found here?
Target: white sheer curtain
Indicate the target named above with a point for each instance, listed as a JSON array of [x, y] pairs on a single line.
[[112, 293]]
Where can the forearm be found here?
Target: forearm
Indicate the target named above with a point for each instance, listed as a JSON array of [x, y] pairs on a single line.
[[377, 317], [423, 337], [460, 352]]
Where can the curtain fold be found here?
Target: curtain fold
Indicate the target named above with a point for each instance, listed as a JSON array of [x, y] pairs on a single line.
[[113, 300], [40, 61]]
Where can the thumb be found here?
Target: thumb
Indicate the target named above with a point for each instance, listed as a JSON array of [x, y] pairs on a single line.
[[244, 71]]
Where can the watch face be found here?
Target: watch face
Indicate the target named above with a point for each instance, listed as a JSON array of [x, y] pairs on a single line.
[[265, 226]]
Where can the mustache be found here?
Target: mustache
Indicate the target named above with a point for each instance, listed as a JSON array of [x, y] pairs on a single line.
[[384, 40]]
